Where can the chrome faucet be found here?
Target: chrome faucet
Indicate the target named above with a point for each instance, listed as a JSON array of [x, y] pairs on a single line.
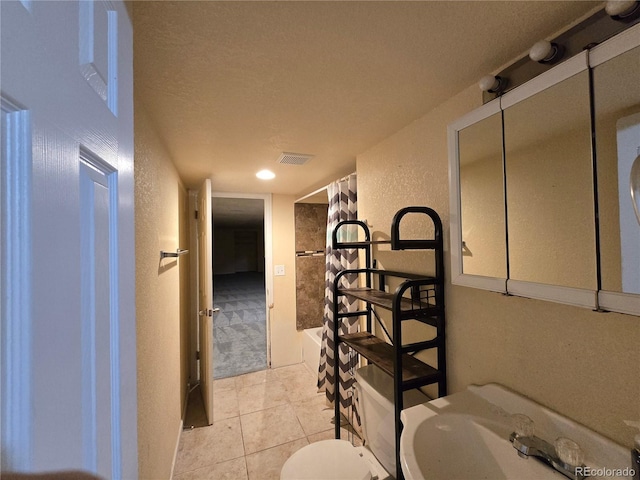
[[564, 457], [544, 451]]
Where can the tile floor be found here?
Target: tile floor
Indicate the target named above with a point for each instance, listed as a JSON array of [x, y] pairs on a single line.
[[260, 419]]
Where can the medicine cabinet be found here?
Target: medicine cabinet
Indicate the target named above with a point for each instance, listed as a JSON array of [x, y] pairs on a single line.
[[545, 184]]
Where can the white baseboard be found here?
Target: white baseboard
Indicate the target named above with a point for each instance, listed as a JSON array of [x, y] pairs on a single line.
[[184, 414]]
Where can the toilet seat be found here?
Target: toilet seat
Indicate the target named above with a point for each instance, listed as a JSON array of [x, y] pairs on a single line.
[[327, 459]]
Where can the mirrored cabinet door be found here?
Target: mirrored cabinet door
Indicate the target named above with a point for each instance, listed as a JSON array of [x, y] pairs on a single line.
[[550, 201], [482, 213], [477, 210], [616, 93]]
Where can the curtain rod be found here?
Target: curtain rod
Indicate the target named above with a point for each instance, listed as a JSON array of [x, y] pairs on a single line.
[[322, 188]]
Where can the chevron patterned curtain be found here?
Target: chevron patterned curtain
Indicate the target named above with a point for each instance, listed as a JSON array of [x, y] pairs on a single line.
[[342, 206]]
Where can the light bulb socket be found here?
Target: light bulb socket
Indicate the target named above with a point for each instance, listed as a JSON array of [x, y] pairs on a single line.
[[546, 52], [492, 84], [623, 10]]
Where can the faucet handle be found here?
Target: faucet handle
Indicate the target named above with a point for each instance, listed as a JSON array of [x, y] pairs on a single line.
[[523, 426], [569, 452]]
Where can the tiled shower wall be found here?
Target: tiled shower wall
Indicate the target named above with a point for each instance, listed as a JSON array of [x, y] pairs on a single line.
[[311, 229]]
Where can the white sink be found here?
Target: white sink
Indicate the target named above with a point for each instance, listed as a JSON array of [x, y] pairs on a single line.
[[466, 435]]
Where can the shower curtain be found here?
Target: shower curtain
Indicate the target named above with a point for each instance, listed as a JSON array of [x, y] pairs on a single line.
[[342, 206]]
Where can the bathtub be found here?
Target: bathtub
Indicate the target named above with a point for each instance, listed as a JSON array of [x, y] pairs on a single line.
[[311, 340]]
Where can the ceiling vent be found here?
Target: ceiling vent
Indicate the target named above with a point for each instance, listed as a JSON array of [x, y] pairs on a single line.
[[288, 158]]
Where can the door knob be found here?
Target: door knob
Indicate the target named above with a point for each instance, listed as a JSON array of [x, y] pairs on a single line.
[[208, 312]]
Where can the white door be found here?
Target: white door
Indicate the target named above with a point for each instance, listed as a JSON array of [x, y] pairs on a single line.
[[68, 274], [205, 298]]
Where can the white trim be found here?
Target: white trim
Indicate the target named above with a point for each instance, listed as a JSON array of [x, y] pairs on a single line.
[[480, 113], [89, 175], [628, 303], [492, 284], [94, 170], [16, 287], [193, 284], [268, 253], [455, 217], [557, 74], [621, 43], [553, 293], [86, 52], [115, 328], [27, 5], [308, 195], [180, 430], [322, 188], [112, 60]]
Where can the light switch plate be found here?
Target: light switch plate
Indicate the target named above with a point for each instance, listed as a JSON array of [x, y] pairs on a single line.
[[278, 270]]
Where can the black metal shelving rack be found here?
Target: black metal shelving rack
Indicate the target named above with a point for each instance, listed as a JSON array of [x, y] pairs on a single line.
[[418, 297]]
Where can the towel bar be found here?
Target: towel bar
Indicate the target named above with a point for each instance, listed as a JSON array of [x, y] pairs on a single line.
[[177, 253]]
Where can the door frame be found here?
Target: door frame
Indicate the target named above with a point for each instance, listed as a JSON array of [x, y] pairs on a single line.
[[268, 270]]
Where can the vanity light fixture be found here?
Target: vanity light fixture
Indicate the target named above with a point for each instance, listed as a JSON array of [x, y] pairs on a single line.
[[623, 10], [265, 175], [492, 84], [546, 52]]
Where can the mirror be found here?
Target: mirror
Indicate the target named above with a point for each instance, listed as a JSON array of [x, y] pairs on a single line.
[[550, 206], [557, 247], [482, 215], [617, 125]]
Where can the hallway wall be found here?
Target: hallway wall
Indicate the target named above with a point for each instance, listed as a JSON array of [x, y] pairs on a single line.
[[286, 341], [162, 300]]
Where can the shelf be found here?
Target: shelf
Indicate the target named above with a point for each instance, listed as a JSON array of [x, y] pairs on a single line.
[[398, 245], [417, 297], [379, 352], [415, 244], [341, 245], [413, 309]]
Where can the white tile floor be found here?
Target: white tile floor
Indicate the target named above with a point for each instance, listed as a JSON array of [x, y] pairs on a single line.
[[260, 420]]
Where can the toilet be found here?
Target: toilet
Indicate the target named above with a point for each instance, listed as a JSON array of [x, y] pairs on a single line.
[[338, 459]]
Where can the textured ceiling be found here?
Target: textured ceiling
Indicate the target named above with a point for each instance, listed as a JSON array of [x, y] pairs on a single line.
[[231, 85]]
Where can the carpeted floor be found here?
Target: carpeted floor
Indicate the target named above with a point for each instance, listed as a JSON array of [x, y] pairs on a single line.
[[239, 329]]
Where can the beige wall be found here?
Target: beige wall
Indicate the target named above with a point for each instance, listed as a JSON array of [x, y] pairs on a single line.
[[286, 342], [585, 365], [161, 301]]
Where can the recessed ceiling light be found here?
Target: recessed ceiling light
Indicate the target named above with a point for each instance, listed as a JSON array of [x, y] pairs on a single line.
[[265, 175]]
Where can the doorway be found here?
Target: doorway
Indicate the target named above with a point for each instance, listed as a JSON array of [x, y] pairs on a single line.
[[240, 328]]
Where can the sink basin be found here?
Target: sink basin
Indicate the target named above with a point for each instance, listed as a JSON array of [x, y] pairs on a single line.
[[464, 447], [466, 435]]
